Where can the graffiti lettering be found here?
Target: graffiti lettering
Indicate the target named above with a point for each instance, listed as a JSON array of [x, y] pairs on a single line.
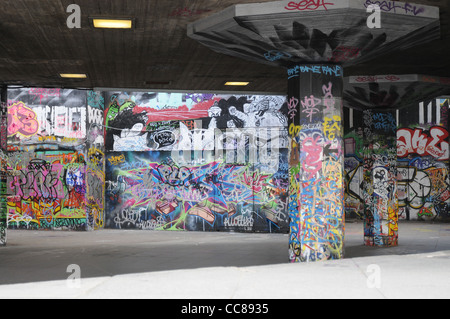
[[174, 175], [63, 121], [328, 99], [43, 93], [331, 127], [292, 105], [395, 7], [164, 138], [276, 55], [384, 121], [255, 181], [307, 5], [95, 115], [344, 53], [377, 78], [21, 120], [418, 141], [309, 105], [185, 196], [240, 221], [295, 71]]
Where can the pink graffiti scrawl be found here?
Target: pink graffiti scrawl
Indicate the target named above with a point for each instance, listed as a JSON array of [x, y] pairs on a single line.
[[255, 181], [292, 104], [22, 120], [312, 163], [309, 106]]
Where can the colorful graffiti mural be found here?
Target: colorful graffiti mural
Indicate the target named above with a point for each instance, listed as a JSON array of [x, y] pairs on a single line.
[[150, 121], [219, 163], [46, 190], [423, 151], [432, 143], [87, 160], [59, 140], [54, 169], [41, 117], [21, 121], [149, 190]]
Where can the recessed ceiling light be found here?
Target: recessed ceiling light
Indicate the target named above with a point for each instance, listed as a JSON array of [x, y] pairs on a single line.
[[73, 76], [109, 23], [237, 83]]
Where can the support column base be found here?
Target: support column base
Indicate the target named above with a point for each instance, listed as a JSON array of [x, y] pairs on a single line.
[[382, 241]]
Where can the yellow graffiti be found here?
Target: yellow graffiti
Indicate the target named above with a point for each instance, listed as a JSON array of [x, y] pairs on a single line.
[[116, 160], [393, 220], [294, 129], [47, 138], [332, 127], [95, 156]]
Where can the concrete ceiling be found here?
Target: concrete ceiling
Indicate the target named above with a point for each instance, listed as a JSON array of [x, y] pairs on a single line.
[[36, 45]]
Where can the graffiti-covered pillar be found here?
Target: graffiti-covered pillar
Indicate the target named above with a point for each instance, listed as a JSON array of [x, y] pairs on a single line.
[[95, 160], [316, 189], [380, 179], [3, 151]]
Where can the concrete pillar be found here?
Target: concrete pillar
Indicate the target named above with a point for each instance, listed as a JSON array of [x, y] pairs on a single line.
[[380, 178], [316, 203], [3, 200]]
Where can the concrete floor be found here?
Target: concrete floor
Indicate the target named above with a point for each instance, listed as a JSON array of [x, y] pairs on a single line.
[[145, 264]]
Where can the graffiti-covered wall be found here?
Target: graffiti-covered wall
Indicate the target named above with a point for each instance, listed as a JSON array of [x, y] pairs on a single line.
[[423, 161], [196, 162], [75, 159], [423, 183], [53, 151]]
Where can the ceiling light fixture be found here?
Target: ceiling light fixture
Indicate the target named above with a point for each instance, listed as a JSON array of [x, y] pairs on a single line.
[[112, 23], [237, 83], [73, 76]]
